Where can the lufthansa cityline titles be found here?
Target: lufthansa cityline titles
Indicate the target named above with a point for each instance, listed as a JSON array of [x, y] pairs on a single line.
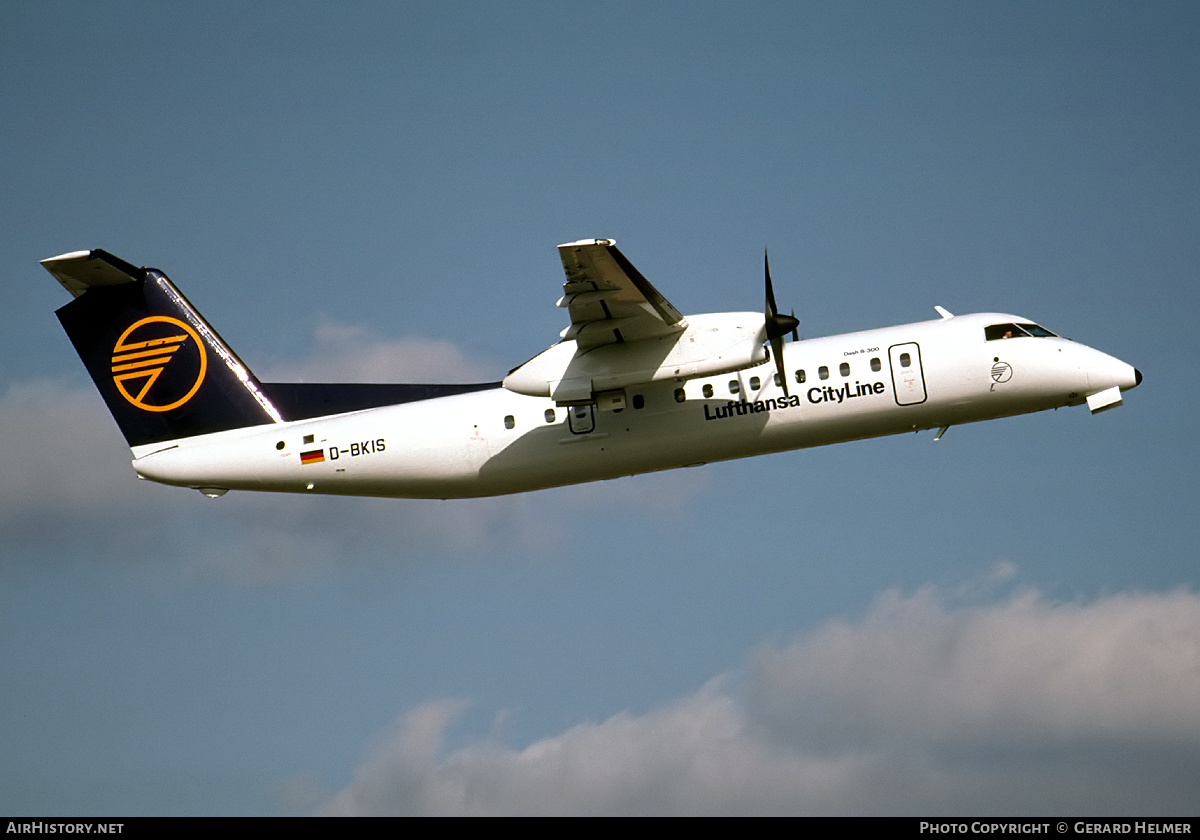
[[816, 396]]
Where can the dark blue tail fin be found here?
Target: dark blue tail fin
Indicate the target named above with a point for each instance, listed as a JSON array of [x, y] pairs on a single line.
[[163, 371]]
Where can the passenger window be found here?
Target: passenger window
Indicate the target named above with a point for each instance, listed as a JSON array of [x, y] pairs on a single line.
[[638, 401], [905, 360], [844, 369], [510, 422], [801, 377], [549, 415], [680, 396], [876, 365], [778, 380], [755, 383], [733, 386], [823, 372], [708, 391]]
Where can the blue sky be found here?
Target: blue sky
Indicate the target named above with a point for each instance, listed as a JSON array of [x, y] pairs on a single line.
[[1005, 622]]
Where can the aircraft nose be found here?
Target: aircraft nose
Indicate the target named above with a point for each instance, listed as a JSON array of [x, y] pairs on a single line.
[[1105, 371], [1131, 379]]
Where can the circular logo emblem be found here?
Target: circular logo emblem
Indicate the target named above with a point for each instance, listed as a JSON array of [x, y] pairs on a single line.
[[151, 346], [1001, 371]]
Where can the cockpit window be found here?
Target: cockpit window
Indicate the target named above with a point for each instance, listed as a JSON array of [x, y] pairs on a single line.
[[999, 331], [996, 331]]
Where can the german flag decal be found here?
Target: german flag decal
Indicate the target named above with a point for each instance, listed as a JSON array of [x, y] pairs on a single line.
[[312, 456]]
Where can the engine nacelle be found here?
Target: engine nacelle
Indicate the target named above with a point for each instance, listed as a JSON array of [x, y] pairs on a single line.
[[711, 344]]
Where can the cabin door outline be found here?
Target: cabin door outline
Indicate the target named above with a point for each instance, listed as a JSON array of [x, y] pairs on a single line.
[[581, 419], [908, 380]]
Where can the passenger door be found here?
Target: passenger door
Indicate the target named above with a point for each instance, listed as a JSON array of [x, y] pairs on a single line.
[[908, 379], [581, 418]]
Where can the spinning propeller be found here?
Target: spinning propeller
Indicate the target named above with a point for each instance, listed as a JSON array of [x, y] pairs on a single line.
[[778, 326]]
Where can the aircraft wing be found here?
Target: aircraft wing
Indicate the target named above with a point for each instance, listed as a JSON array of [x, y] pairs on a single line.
[[609, 300]]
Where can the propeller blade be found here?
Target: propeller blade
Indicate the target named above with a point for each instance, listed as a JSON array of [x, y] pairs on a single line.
[[777, 352], [777, 326], [772, 309]]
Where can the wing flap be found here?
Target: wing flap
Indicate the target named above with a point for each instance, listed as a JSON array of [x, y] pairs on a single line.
[[609, 300]]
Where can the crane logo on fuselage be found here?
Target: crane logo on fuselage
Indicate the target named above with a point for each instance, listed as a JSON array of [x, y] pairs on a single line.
[[145, 350]]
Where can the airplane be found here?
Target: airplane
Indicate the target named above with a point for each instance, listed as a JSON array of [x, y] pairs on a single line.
[[632, 387]]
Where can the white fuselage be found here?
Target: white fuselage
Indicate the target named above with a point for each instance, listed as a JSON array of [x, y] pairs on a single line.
[[858, 385]]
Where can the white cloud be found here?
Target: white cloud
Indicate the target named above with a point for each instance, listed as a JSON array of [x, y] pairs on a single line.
[[344, 353], [693, 757], [1022, 707], [1020, 669], [62, 454], [67, 490]]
